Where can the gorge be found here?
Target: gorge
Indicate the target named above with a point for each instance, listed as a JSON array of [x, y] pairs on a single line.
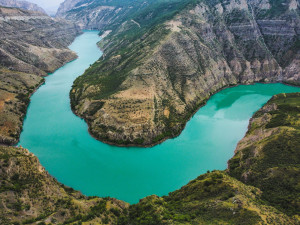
[[195, 71], [61, 141]]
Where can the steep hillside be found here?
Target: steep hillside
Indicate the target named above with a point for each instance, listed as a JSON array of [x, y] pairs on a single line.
[[28, 195], [267, 157], [108, 15], [156, 70], [66, 6], [31, 45], [213, 198], [21, 4]]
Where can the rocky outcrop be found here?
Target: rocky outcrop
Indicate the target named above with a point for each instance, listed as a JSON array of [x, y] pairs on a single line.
[[32, 44], [147, 86], [66, 6], [101, 14], [22, 4]]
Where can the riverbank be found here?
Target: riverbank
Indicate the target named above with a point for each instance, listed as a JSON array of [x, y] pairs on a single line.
[[164, 138], [26, 59], [215, 197], [76, 159]]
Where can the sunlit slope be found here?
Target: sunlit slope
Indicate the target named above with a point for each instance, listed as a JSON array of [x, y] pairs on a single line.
[[158, 68]]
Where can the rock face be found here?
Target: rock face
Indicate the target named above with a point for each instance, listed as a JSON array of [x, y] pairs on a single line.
[[267, 158], [32, 44], [90, 14], [154, 75], [66, 6], [21, 4]]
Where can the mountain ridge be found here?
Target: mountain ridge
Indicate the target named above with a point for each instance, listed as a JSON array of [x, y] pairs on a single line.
[[153, 77]]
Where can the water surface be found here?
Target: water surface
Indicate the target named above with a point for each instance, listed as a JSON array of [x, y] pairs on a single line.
[[61, 140]]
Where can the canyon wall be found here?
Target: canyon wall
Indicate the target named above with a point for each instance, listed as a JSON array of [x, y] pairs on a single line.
[[154, 75], [32, 45]]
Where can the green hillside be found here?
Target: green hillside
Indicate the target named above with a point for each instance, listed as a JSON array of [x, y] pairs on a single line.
[[261, 185]]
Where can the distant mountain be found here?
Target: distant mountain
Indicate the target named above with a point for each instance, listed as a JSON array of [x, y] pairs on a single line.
[[91, 14], [66, 6], [22, 4]]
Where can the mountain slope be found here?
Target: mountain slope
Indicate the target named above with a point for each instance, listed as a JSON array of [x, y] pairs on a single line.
[[269, 156], [28, 194], [22, 4], [156, 71], [213, 198], [107, 15], [66, 6], [266, 158], [32, 44]]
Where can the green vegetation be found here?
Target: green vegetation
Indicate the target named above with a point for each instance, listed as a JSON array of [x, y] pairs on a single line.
[[261, 185], [273, 163], [30, 195], [128, 45], [213, 198], [176, 54]]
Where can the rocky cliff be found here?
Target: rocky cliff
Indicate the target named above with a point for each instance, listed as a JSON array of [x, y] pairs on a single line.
[[66, 6], [32, 44], [105, 15], [21, 4], [159, 68], [267, 158]]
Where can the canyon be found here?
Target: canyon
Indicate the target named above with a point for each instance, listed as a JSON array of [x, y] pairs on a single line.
[[161, 61], [239, 195]]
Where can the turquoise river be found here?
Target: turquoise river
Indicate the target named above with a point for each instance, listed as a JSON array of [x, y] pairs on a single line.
[[62, 142]]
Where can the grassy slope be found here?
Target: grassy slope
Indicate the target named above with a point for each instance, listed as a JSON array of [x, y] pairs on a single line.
[[28, 194], [16, 89], [213, 198], [127, 43], [272, 163]]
